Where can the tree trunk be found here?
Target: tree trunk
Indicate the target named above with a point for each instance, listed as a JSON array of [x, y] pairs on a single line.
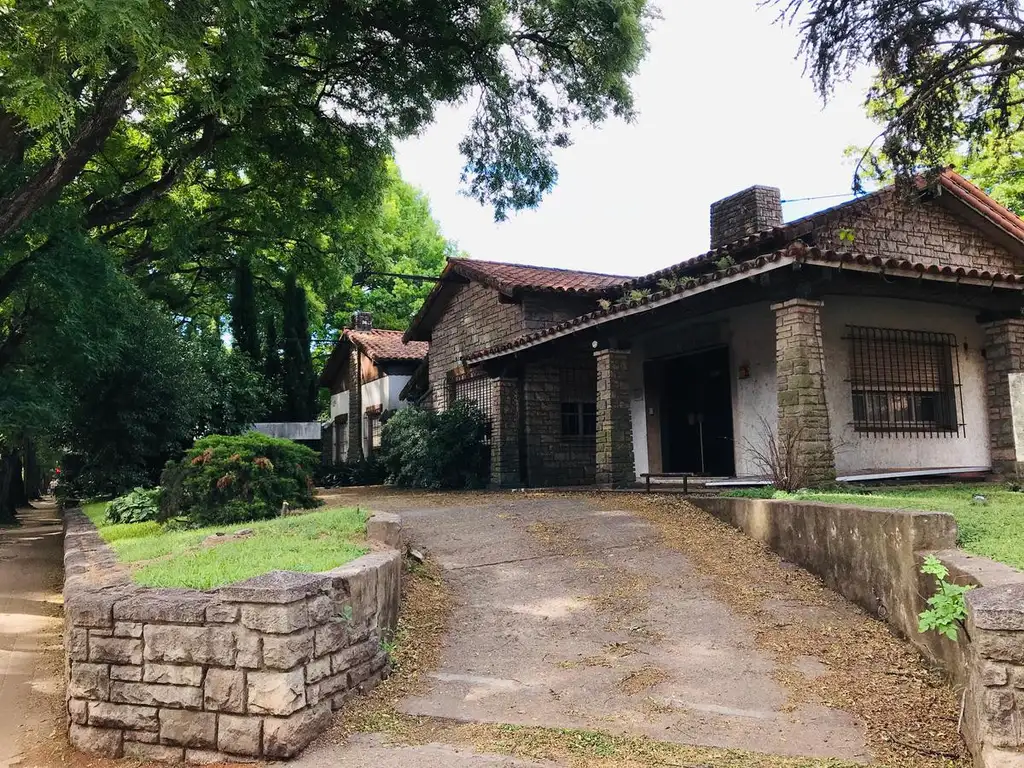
[[19, 494], [33, 473], [7, 506]]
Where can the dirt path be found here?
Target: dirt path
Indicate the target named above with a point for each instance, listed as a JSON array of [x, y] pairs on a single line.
[[643, 623], [31, 568]]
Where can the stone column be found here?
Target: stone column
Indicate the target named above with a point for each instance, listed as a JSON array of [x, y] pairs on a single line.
[[355, 407], [1004, 384], [505, 435], [615, 465], [994, 708], [800, 373]]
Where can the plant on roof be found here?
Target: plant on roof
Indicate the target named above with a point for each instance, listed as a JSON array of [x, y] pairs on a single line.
[[669, 284]]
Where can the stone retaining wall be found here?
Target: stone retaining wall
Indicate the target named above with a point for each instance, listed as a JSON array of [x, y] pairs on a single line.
[[250, 670], [873, 558]]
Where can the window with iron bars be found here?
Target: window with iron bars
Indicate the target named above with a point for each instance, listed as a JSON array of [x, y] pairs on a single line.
[[904, 383], [374, 426], [477, 388]]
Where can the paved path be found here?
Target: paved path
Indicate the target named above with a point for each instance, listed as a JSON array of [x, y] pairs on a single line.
[[31, 567], [573, 616]]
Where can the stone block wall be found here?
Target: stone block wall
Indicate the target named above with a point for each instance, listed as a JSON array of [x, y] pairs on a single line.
[[552, 458], [903, 226], [250, 670]]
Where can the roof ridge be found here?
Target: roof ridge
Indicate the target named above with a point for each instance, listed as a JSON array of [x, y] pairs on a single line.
[[468, 260]]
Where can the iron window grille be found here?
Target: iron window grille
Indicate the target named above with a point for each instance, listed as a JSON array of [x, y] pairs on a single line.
[[905, 383], [477, 388]]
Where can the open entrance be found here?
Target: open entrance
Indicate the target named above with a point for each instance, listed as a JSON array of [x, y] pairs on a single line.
[[696, 414]]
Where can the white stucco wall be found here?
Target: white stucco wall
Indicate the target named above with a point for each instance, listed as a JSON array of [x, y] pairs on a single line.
[[750, 334], [384, 392], [856, 451], [339, 404]]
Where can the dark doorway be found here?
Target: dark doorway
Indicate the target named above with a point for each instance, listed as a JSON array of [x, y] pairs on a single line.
[[696, 414]]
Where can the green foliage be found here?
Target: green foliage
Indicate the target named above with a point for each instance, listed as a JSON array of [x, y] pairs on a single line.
[[948, 73], [299, 382], [725, 262], [363, 471], [429, 449], [138, 506], [757, 492], [228, 479], [947, 609], [244, 317]]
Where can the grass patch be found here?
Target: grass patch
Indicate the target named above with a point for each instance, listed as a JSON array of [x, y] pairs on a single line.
[[993, 528], [318, 541]]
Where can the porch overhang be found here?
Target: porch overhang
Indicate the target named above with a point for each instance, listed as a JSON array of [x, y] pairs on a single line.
[[792, 257]]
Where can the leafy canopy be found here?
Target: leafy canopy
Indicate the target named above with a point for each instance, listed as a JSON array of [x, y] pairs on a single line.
[[948, 72]]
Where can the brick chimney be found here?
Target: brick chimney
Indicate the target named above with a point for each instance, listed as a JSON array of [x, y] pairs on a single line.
[[362, 321], [746, 213]]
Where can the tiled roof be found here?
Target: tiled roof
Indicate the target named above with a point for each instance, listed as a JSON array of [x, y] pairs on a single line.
[[388, 345], [797, 252], [509, 278], [778, 237], [976, 198]]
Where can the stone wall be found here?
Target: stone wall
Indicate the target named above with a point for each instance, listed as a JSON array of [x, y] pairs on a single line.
[[1004, 366], [615, 464], [554, 459], [873, 557], [803, 419], [250, 670], [895, 225]]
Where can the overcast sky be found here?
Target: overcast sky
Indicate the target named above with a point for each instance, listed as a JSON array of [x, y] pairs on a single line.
[[723, 104]]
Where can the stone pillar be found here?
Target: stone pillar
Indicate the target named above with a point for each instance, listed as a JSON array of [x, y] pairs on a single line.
[[994, 707], [355, 407], [615, 465], [800, 373], [505, 435], [1004, 384]]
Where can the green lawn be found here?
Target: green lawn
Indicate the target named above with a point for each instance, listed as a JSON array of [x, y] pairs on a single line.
[[992, 529], [318, 541]]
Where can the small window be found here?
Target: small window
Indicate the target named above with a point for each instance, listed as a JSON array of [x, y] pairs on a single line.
[[904, 382], [579, 419]]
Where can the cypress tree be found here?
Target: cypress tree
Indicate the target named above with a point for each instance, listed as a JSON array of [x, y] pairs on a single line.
[[244, 317], [272, 370], [298, 378]]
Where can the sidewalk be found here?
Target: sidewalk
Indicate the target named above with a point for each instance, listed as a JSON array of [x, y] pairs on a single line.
[[31, 566]]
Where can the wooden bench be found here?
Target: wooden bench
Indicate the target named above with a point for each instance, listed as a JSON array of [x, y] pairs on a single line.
[[685, 475]]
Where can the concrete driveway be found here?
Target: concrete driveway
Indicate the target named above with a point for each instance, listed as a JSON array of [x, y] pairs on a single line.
[[573, 614]]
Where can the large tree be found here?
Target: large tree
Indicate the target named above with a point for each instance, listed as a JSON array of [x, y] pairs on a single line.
[[948, 73]]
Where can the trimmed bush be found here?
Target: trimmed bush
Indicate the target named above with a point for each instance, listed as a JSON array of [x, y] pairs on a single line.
[[139, 506], [233, 479], [368, 471], [426, 449]]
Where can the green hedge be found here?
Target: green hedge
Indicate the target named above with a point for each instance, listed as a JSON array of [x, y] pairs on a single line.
[[429, 449], [232, 479]]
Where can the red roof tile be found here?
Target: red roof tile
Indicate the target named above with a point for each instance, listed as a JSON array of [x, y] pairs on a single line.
[[796, 252], [509, 278], [388, 345]]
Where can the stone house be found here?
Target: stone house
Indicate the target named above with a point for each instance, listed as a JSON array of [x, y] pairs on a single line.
[[365, 374], [884, 335]]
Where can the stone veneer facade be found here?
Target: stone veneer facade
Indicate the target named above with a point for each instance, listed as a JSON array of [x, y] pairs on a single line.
[[250, 670], [1004, 359], [800, 367], [615, 465]]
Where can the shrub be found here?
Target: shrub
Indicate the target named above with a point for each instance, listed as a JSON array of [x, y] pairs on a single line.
[[368, 471], [233, 479], [426, 449], [139, 506]]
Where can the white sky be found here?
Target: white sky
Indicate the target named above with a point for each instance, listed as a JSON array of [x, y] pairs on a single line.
[[723, 104]]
